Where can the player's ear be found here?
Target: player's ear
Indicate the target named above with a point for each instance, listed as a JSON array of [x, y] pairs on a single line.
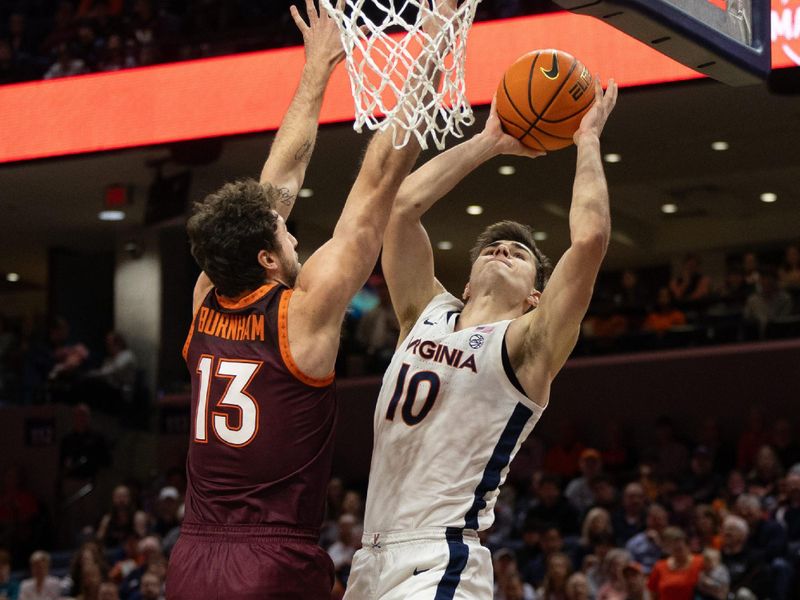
[[465, 295], [533, 299], [268, 260]]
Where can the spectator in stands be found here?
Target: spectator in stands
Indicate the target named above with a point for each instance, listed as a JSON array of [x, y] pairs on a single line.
[[675, 577], [789, 271], [631, 297], [90, 8], [151, 587], [751, 439], [84, 451], [505, 566], [578, 587], [63, 31], [788, 513], [767, 472], [67, 63], [752, 274], [579, 490], [714, 580], [705, 529], [91, 580], [635, 581], [113, 383], [21, 39], [561, 458], [768, 539], [41, 585], [596, 528], [768, 303], [108, 591], [551, 544], [89, 557], [554, 584], [9, 586], [746, 569], [734, 290], [629, 518], [702, 483], [691, 285], [117, 524], [784, 443], [349, 540], [553, 507], [154, 561], [612, 582], [353, 504], [378, 329], [604, 491], [117, 54], [665, 316], [130, 561], [646, 547], [20, 516], [529, 549], [166, 511]]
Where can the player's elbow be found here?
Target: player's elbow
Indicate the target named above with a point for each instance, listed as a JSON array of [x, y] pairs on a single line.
[[592, 243]]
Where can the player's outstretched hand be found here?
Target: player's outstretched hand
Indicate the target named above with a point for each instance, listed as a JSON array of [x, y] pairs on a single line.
[[504, 143], [434, 21], [323, 44], [593, 121]]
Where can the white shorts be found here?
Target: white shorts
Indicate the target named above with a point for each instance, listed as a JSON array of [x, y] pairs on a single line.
[[427, 564]]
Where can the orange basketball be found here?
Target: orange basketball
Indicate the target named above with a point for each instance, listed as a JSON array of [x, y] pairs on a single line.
[[543, 97]]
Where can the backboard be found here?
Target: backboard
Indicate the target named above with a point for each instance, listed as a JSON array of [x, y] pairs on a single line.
[[727, 40]]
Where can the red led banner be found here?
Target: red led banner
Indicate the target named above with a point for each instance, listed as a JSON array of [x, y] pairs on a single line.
[[250, 92]]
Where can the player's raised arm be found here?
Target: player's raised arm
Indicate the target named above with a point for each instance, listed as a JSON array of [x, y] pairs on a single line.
[[407, 254], [544, 338], [285, 169]]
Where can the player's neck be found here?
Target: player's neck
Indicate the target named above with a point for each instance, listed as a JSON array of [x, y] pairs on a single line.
[[487, 308]]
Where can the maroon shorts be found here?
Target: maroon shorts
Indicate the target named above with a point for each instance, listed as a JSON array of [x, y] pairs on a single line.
[[248, 563]]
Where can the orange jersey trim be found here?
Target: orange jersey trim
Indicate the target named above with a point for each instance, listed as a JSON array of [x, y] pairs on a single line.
[[286, 353], [185, 351], [254, 296]]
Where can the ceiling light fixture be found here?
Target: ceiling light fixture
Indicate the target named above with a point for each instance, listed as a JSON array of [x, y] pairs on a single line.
[[540, 236], [720, 146], [613, 157], [507, 170], [12, 277], [445, 245], [305, 192], [111, 215], [769, 197], [474, 209], [669, 208]]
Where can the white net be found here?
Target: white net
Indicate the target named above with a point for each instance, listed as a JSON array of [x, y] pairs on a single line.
[[392, 48]]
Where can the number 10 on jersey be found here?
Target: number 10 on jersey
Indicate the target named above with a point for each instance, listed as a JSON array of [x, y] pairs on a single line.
[[415, 381], [239, 374]]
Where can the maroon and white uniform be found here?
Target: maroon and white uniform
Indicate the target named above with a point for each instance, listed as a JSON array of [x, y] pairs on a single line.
[[259, 458]]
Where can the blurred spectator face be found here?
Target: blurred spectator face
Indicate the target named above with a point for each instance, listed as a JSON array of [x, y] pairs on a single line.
[[530, 537], [157, 566], [551, 541], [90, 578], [629, 279], [108, 591], [504, 563], [657, 518], [352, 503], [634, 580], [750, 262], [704, 520], [121, 497], [5, 566], [577, 587], [558, 567], [346, 525], [141, 523], [793, 488], [598, 521], [150, 586], [633, 498], [736, 483], [734, 535], [767, 463], [150, 548], [590, 464], [40, 565], [86, 35], [749, 508], [605, 494], [512, 588], [549, 493]]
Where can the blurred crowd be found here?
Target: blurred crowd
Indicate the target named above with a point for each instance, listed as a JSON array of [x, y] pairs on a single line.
[[685, 515], [58, 38]]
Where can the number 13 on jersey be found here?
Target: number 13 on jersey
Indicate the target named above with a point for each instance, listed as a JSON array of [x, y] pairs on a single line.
[[239, 374]]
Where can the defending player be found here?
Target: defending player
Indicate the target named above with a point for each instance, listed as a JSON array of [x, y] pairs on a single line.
[[468, 382], [261, 352]]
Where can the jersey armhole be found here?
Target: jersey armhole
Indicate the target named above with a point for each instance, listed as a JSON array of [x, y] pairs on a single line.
[[286, 352], [512, 377], [185, 351]]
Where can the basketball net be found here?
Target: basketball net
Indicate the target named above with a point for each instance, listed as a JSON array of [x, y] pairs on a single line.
[[390, 71]]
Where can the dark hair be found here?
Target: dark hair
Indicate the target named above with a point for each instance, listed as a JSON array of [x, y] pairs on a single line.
[[515, 232], [228, 229]]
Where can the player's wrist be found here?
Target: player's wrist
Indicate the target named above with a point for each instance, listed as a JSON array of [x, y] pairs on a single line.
[[587, 138]]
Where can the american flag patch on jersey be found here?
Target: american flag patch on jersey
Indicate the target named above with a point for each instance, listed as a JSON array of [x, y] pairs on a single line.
[[484, 329]]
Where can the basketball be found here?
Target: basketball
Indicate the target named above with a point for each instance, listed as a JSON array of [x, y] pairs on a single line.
[[543, 97]]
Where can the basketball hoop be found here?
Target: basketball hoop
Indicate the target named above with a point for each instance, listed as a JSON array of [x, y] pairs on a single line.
[[389, 61]]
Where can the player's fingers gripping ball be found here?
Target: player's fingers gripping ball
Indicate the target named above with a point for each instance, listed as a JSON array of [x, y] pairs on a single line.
[[543, 97]]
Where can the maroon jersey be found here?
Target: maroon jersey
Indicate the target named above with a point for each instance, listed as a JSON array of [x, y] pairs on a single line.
[[262, 432]]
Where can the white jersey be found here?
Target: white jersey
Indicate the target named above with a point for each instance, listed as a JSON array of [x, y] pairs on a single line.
[[450, 417]]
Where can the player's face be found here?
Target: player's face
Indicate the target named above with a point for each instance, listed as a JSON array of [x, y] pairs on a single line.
[[505, 265]]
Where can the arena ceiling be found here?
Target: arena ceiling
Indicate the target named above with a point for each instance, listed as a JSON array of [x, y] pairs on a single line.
[[663, 134]]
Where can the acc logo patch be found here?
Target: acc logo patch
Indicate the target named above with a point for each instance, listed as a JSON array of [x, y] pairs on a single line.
[[476, 341]]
